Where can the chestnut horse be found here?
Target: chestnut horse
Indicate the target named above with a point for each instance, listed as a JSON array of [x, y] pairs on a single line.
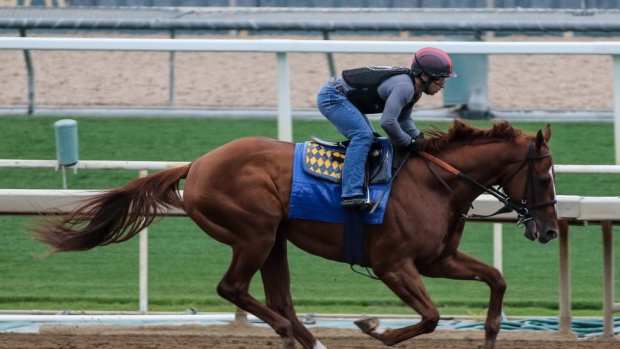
[[239, 194]]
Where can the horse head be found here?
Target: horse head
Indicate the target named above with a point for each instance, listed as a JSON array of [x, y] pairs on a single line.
[[532, 186]]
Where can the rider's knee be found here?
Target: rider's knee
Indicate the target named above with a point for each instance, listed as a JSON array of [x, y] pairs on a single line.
[[363, 136]]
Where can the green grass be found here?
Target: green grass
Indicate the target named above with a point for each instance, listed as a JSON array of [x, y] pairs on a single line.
[[185, 265]]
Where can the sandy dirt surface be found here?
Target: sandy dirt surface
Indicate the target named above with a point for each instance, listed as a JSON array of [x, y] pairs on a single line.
[[243, 80], [237, 337]]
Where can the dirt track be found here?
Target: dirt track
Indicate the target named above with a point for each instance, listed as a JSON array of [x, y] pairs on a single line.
[[235, 337]]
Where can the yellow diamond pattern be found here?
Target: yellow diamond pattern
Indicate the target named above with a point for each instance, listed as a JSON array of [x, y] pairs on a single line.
[[325, 162]]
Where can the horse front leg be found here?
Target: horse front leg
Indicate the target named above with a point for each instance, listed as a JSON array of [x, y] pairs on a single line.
[[463, 267], [405, 280]]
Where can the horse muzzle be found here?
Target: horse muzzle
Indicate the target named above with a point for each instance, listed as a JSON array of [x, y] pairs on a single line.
[[531, 230], [541, 232], [548, 235]]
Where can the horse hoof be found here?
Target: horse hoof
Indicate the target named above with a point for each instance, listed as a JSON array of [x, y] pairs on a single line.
[[367, 325]]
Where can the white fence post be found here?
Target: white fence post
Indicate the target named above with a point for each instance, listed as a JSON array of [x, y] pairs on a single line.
[[608, 280], [285, 122], [609, 307], [497, 247], [143, 275], [565, 279], [616, 63]]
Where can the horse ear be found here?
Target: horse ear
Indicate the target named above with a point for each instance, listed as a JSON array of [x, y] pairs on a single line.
[[540, 140], [543, 136], [458, 123], [547, 133]]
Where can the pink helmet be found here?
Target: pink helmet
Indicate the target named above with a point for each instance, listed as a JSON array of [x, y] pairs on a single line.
[[432, 61]]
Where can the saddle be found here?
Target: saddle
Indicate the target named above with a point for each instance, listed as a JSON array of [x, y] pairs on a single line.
[[324, 159], [316, 190]]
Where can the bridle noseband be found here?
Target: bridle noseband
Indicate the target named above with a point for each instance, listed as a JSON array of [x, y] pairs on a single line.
[[526, 207], [528, 204]]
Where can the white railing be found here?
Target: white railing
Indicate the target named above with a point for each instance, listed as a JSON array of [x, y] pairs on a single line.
[[308, 46], [571, 208], [163, 165], [584, 209], [282, 47]]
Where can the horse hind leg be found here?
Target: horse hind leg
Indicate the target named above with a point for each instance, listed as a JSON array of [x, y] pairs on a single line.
[[251, 232], [407, 283], [276, 281], [235, 284]]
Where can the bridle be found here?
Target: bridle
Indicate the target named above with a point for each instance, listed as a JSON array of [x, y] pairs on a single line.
[[530, 185], [526, 208]]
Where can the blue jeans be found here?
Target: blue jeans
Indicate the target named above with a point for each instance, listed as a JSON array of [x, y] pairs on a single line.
[[354, 125]]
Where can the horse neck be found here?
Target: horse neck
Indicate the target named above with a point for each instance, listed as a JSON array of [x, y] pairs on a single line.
[[485, 163]]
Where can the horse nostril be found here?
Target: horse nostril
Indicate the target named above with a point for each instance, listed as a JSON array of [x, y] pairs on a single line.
[[552, 234]]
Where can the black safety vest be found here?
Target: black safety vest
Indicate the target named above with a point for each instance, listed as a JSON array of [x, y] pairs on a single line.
[[365, 82]]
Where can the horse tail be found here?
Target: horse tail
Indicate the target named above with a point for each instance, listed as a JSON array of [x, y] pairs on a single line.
[[115, 215]]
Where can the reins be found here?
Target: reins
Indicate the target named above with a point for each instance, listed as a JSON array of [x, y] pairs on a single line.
[[523, 209]]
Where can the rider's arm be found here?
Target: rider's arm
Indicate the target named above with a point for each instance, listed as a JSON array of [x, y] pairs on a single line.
[[396, 101], [407, 124]]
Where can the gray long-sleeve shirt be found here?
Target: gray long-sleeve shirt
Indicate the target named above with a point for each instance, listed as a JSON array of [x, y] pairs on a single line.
[[397, 91]]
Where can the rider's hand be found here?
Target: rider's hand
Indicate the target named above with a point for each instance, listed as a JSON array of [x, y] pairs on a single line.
[[413, 146], [416, 144]]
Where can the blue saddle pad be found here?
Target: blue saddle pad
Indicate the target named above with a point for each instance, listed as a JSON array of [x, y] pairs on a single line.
[[313, 198]]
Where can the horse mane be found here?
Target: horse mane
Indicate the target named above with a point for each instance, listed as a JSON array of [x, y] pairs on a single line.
[[461, 134]]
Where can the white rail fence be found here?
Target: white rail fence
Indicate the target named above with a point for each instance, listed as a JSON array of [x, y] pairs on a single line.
[[573, 209], [603, 210], [281, 48]]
